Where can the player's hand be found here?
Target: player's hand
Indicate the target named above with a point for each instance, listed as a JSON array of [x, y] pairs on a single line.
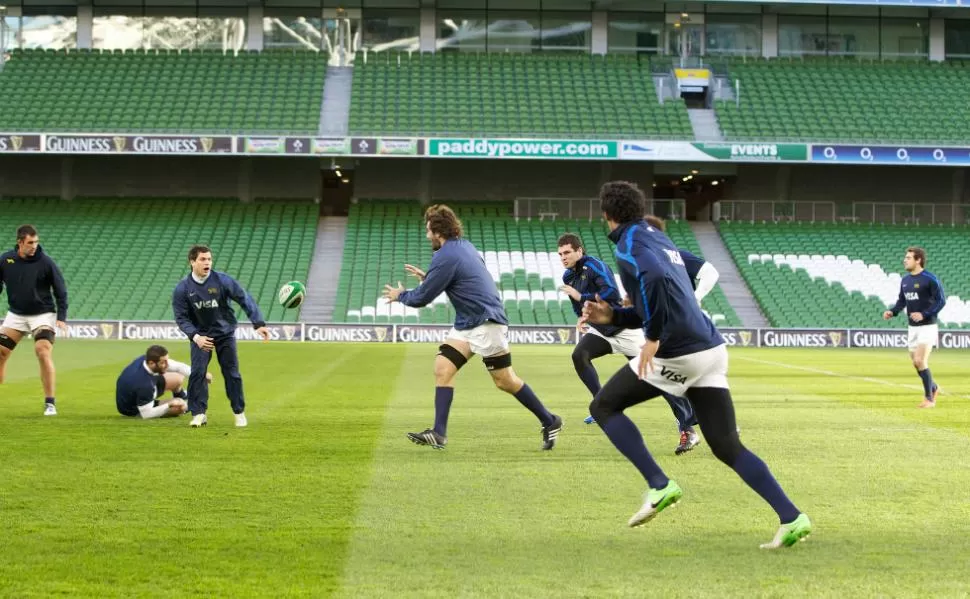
[[887, 314], [571, 292], [208, 378], [415, 272], [62, 326], [647, 352], [392, 293], [597, 312], [917, 316], [582, 325], [204, 343], [263, 332], [178, 406]]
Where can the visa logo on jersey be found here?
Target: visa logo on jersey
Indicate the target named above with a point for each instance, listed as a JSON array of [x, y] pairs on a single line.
[[674, 256], [912, 296], [210, 304]]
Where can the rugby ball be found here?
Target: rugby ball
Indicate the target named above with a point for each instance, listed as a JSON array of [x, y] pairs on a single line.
[[292, 294]]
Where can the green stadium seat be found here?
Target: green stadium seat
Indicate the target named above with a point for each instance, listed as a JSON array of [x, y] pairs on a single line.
[[505, 94], [521, 257], [162, 92], [843, 275], [139, 250], [841, 100]]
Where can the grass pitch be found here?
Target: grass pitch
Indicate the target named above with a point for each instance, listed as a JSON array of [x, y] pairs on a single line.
[[323, 495]]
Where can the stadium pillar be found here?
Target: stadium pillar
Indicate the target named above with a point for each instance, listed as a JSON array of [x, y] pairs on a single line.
[[424, 182], [245, 181], [783, 183], [959, 188], [254, 27], [599, 32], [67, 178], [937, 39], [428, 29], [85, 26], [769, 35]]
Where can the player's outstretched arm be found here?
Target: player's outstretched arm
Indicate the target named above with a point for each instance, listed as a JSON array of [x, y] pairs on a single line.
[[707, 277], [415, 272], [440, 274], [249, 305]]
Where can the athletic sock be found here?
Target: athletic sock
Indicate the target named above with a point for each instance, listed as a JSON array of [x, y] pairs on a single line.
[[756, 474], [590, 378], [49, 400], [627, 438], [528, 399], [443, 397], [927, 382]]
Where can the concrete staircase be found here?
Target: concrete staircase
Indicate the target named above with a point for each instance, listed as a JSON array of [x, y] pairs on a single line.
[[325, 270], [705, 125], [335, 107], [736, 290]]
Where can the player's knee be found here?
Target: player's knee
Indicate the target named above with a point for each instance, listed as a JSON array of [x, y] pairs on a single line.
[[602, 407], [448, 362], [581, 359], [7, 345], [43, 349], [726, 448], [508, 381]]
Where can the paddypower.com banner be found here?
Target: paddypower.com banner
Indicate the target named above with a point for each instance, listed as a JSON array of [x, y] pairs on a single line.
[[521, 148]]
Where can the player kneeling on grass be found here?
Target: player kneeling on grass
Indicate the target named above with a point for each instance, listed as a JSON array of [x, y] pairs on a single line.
[[683, 354], [481, 326], [143, 382]]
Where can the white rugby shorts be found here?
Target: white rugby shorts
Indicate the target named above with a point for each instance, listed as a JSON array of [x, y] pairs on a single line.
[[29, 324], [487, 340], [927, 334], [626, 343], [707, 368]]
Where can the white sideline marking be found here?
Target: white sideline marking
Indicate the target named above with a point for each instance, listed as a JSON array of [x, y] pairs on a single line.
[[840, 375]]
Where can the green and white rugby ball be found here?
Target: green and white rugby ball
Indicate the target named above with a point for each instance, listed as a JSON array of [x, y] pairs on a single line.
[[292, 294]]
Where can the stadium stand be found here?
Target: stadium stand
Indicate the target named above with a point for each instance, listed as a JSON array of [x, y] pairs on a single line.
[[844, 275], [121, 260], [160, 91], [511, 94], [847, 100], [384, 235]]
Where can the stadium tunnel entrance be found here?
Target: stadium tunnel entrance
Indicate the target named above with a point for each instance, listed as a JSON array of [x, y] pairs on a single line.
[[336, 189], [699, 187]]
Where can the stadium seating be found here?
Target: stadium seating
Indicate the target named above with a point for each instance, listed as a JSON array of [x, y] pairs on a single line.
[[844, 275], [506, 95], [847, 100], [121, 258], [521, 256], [162, 91]]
